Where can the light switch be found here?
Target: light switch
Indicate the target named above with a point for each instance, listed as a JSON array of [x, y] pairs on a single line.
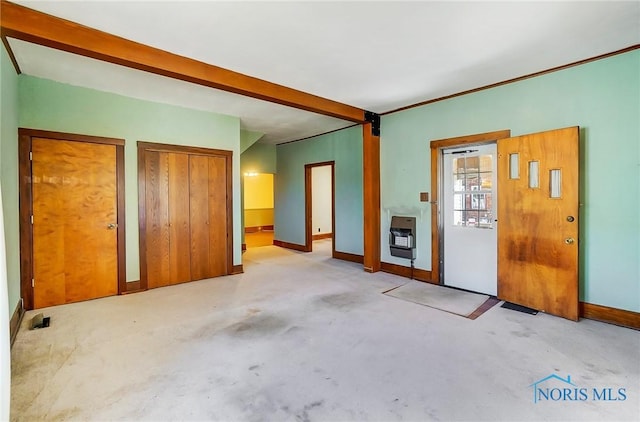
[[424, 196]]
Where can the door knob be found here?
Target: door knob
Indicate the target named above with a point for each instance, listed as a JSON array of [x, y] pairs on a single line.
[[569, 241], [570, 219], [111, 226]]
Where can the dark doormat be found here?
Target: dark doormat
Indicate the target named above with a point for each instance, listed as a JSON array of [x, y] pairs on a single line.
[[519, 308]]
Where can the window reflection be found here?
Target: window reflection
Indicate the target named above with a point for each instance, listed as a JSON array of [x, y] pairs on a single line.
[[473, 198], [555, 179]]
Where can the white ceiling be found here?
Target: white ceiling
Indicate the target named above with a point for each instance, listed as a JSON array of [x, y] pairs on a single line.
[[378, 56], [278, 123]]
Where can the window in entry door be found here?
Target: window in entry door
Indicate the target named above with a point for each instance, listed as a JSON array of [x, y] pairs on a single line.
[[472, 196]]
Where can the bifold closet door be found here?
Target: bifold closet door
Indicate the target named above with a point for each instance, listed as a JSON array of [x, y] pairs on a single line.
[[167, 218], [179, 231], [186, 217], [207, 204]]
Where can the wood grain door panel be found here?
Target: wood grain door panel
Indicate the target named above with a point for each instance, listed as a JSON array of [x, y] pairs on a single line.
[[186, 212], [157, 219], [538, 233], [179, 222], [199, 204], [218, 236], [208, 196], [167, 218], [74, 202]]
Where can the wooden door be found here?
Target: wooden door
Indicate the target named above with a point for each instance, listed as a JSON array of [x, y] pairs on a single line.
[[157, 219], [179, 221], [186, 221], [167, 218], [74, 191], [219, 233], [538, 224], [208, 199]]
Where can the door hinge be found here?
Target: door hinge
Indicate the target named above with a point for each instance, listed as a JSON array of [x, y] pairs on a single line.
[[30, 156], [32, 219], [33, 282]]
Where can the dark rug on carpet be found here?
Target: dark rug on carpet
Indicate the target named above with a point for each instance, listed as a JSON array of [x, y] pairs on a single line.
[[519, 308]]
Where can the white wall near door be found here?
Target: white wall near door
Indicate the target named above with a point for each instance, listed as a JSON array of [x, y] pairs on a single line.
[[5, 358], [321, 200]]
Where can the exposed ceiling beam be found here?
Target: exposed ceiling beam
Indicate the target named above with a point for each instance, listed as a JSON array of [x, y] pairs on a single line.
[[37, 27], [12, 56]]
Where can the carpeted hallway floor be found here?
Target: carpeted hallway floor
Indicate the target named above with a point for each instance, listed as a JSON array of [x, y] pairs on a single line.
[[302, 337]]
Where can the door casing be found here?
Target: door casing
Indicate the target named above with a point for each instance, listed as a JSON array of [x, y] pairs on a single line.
[[437, 146], [308, 208], [25, 188]]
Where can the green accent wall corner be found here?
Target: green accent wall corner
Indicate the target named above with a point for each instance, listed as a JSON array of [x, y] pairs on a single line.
[[345, 147], [248, 138], [258, 158]]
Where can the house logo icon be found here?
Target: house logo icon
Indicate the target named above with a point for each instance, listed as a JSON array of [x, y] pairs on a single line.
[[538, 392]]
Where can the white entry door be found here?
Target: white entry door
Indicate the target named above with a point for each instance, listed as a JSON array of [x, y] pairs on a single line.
[[469, 218]]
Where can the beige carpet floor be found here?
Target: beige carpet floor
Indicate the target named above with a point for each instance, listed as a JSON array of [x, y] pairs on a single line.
[[303, 337]]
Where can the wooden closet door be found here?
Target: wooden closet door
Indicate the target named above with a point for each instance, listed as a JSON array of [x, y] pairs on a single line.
[[179, 219], [185, 220], [199, 210], [207, 201], [167, 218], [218, 236], [157, 218]]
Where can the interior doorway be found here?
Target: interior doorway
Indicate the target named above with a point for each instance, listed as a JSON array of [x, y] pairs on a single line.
[[258, 209], [320, 205]]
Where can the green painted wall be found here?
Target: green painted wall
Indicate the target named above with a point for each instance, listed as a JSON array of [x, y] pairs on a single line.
[[345, 147], [258, 158], [603, 98], [248, 138], [49, 105], [9, 172]]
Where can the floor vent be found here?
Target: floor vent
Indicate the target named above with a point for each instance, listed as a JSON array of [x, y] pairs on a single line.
[[40, 321]]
